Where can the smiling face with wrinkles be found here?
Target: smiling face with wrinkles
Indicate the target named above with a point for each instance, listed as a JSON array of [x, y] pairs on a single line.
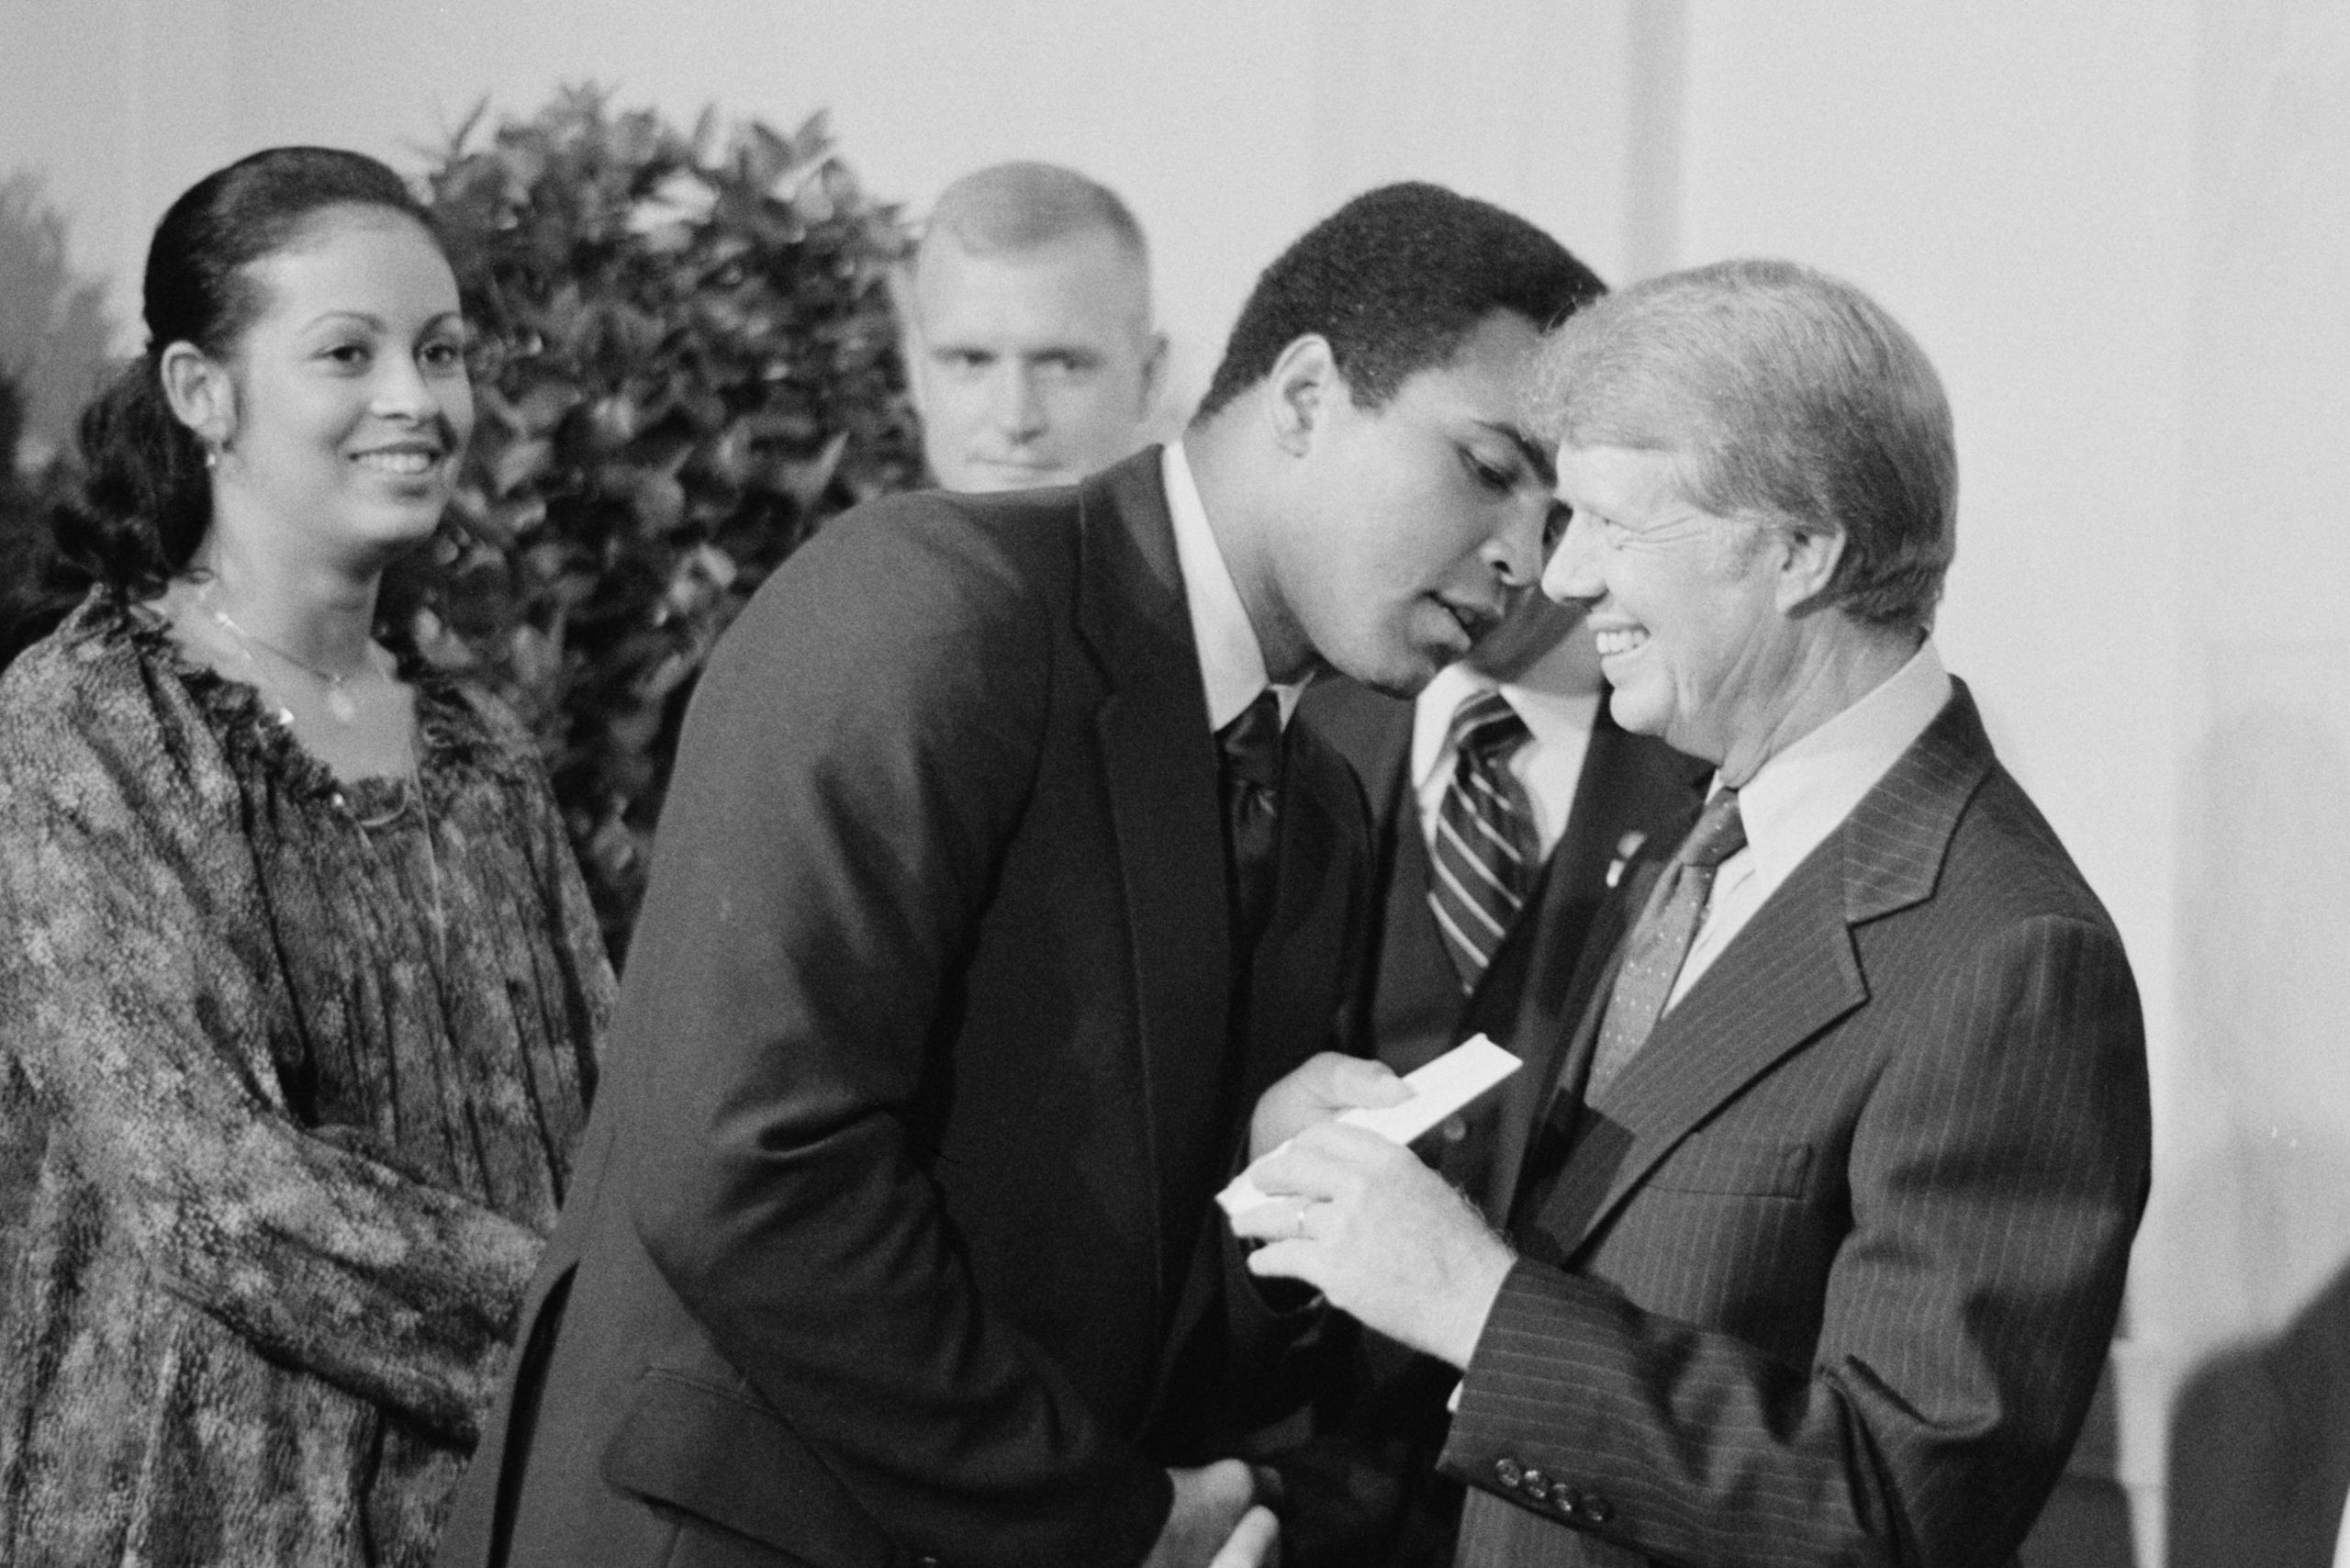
[[1690, 612]]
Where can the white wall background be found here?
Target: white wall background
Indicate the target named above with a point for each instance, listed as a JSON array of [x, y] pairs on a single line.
[[2122, 230], [1226, 125]]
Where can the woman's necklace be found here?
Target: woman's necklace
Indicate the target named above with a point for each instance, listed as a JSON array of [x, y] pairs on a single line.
[[341, 706], [343, 710]]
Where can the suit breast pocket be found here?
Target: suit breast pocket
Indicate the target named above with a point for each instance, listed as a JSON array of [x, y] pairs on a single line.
[[1734, 1167]]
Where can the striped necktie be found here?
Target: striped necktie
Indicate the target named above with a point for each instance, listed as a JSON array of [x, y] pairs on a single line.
[[1660, 942], [1485, 854]]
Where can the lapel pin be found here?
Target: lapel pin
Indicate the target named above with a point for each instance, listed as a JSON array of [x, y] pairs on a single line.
[[1625, 847]]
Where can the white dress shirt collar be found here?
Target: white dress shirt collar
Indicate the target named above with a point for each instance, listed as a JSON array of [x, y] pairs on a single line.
[[1232, 665], [1797, 797]]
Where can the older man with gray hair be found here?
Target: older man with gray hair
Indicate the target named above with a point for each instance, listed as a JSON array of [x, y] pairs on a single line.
[[1029, 340], [1820, 1236]]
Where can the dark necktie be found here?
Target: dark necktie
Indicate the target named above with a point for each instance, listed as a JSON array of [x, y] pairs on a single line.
[[1485, 854], [1249, 779], [1659, 941]]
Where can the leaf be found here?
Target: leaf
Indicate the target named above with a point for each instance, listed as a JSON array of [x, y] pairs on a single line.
[[734, 455], [804, 482], [520, 463], [532, 656], [614, 419], [660, 502], [716, 564]]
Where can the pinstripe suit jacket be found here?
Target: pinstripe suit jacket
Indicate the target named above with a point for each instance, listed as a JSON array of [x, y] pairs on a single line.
[[1827, 1274]]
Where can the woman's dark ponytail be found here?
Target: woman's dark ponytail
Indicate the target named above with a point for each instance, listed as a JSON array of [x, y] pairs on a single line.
[[145, 498]]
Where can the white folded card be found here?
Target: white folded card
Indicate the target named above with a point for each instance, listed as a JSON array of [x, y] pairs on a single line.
[[1442, 1088]]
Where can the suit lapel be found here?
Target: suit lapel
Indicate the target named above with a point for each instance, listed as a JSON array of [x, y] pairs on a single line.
[[1526, 993], [1372, 732], [1304, 948], [1632, 794], [1789, 974], [1159, 766], [1627, 781], [1559, 1058]]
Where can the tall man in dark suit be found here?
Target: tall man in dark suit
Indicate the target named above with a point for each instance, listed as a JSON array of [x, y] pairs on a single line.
[[1821, 1235], [991, 888]]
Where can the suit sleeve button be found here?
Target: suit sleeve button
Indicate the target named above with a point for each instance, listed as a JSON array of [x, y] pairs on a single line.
[[926, 1560], [1508, 1471], [1535, 1485], [1562, 1498], [1598, 1509]]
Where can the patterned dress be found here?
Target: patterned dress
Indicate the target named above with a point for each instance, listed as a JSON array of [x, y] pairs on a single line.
[[295, 1093]]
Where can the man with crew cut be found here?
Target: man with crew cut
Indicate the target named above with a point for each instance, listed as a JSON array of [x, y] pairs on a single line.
[[1029, 343]]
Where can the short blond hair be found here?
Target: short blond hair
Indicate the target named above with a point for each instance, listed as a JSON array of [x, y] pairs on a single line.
[[1026, 206]]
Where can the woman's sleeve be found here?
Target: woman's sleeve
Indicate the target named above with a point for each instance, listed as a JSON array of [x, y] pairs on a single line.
[[139, 987], [576, 926]]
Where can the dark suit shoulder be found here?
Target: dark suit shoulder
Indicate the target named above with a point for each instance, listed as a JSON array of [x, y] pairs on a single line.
[[2006, 859], [900, 591], [899, 670], [933, 542]]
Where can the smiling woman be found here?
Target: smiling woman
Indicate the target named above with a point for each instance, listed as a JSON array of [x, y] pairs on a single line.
[[297, 976]]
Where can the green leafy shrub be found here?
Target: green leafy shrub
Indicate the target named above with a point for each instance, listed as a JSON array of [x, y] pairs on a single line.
[[685, 362], [53, 332], [20, 529], [34, 593]]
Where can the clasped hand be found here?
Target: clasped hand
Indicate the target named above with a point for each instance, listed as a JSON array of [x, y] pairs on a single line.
[[1385, 1238], [1217, 1521]]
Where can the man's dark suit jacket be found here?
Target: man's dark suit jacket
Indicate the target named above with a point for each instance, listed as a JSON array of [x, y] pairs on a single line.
[[1829, 1270], [1371, 1496], [890, 1218]]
